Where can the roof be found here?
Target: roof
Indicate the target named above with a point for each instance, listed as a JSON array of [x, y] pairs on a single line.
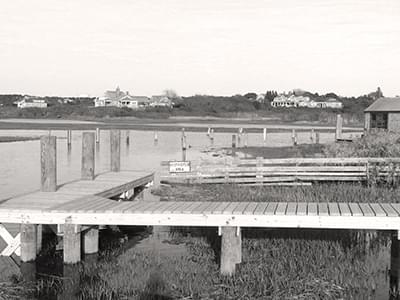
[[385, 104]]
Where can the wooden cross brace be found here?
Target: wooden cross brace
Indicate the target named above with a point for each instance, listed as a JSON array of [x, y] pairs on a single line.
[[13, 243]]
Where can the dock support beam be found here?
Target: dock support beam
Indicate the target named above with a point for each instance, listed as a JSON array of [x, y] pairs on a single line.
[[115, 151], [88, 150], [91, 240], [72, 243], [48, 163], [395, 263], [231, 249], [28, 242]]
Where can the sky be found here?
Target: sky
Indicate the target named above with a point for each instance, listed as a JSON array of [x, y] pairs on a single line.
[[218, 47]]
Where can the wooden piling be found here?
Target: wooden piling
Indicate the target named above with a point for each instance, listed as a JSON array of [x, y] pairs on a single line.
[[28, 242], [183, 144], [97, 135], [127, 133], [230, 250], [339, 124], [69, 137], [265, 136], [72, 243], [395, 262], [88, 158], [39, 238], [312, 134], [317, 137], [91, 240], [294, 137], [48, 163], [115, 144]]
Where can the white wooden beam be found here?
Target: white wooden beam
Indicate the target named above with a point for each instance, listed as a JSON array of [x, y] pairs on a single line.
[[13, 243]]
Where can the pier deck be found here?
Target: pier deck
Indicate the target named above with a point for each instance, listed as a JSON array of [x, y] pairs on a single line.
[[98, 210]]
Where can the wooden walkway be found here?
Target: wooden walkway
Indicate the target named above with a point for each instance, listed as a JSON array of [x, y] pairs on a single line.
[[98, 210]]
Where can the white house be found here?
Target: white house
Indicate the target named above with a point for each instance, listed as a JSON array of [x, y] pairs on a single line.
[[31, 102], [330, 103], [290, 101], [118, 98], [160, 101]]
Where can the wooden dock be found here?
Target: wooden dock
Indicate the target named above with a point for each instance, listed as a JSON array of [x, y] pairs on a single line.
[[81, 206], [289, 171]]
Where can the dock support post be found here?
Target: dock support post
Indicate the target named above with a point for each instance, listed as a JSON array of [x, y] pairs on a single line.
[[28, 242], [69, 138], [265, 137], [231, 249], [395, 263], [127, 133], [115, 150], [183, 144], [312, 134], [97, 135], [72, 243], [294, 137], [88, 162], [48, 162], [91, 240], [155, 137], [339, 123], [317, 137], [39, 238]]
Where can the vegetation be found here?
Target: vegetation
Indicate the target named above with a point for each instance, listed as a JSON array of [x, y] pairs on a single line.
[[197, 105]]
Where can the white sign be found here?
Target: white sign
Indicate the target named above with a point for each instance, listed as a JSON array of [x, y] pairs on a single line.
[[179, 166]]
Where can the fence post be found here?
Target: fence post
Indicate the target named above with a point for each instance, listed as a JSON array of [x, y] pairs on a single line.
[[115, 150], [339, 124], [212, 137], [246, 139], [317, 137], [48, 160], [259, 165], [88, 161], [155, 137]]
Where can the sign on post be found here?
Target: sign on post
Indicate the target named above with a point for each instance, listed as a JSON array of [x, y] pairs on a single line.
[[179, 166]]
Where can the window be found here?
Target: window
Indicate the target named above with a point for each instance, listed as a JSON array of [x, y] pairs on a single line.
[[379, 120]]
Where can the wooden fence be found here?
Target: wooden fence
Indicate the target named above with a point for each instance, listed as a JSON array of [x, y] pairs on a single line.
[[288, 171]]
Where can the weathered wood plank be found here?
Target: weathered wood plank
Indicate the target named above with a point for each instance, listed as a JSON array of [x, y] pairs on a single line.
[[344, 209], [390, 211], [230, 208], [291, 208], [333, 209], [355, 210], [250, 208], [302, 209], [260, 208], [271, 208], [366, 210], [240, 208], [378, 210], [323, 209], [312, 209], [281, 208]]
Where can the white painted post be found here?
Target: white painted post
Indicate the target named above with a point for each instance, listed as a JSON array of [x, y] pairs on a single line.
[[265, 136], [97, 135]]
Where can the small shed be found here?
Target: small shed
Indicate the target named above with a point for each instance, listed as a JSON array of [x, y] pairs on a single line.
[[384, 113]]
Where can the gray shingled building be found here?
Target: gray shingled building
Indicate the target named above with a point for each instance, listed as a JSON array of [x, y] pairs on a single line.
[[384, 113]]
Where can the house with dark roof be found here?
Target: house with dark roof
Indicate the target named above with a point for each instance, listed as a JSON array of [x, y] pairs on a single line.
[[384, 113]]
